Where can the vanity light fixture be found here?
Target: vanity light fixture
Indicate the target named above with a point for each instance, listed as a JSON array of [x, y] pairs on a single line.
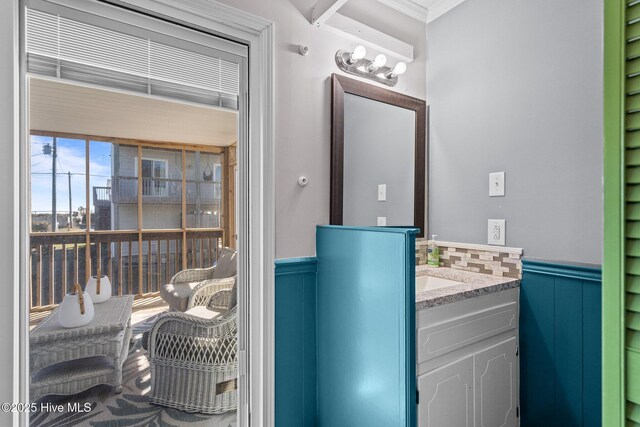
[[355, 63]]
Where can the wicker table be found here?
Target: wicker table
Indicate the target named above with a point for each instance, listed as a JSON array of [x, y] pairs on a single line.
[[68, 361]]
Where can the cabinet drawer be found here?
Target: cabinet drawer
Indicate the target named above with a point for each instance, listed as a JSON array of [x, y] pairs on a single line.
[[451, 334]]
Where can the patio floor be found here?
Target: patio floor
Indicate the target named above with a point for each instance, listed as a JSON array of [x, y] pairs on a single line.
[[131, 407]]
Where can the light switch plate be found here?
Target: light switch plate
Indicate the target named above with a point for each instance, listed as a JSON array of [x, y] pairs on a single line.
[[382, 192], [496, 232], [496, 184], [382, 221]]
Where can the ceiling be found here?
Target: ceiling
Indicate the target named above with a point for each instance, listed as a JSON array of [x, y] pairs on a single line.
[[70, 108]]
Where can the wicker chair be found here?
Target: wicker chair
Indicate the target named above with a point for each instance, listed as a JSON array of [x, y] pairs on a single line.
[[194, 365], [196, 286]]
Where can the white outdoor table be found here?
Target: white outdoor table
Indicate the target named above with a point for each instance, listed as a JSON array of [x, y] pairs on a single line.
[[66, 361]]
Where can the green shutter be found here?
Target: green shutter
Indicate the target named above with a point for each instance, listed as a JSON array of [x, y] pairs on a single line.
[[621, 270], [631, 296]]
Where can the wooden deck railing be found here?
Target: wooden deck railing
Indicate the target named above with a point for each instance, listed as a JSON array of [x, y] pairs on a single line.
[[136, 262]]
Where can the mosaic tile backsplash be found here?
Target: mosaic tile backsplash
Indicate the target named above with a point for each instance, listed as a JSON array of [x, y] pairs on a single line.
[[497, 261]]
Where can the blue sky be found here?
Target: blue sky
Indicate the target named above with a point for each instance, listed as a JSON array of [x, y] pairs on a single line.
[[71, 158]]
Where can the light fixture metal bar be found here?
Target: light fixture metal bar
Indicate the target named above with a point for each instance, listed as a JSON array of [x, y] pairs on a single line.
[[358, 68]]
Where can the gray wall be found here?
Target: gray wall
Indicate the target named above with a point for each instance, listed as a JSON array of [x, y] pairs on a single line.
[[516, 86], [303, 106], [379, 148]]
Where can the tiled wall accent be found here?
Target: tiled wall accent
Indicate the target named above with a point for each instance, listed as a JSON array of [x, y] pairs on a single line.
[[489, 260]]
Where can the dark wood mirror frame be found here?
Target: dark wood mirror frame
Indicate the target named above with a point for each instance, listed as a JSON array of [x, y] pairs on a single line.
[[341, 85]]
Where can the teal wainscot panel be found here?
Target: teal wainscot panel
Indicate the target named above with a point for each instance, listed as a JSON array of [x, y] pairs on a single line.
[[295, 342], [366, 326], [560, 339]]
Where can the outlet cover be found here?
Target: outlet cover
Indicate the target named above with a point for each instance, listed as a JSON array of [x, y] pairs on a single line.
[[496, 184], [496, 231], [382, 221]]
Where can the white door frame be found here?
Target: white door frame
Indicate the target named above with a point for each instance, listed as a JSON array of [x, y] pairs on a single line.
[[257, 33]]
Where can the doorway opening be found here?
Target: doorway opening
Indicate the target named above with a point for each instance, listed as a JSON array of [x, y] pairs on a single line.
[[135, 278]]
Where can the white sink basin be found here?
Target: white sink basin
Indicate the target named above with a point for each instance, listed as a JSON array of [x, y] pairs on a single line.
[[429, 283]]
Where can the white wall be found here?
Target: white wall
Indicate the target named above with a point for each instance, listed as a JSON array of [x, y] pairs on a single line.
[[516, 86], [303, 108], [8, 219]]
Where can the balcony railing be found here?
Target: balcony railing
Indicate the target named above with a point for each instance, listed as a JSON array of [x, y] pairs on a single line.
[[165, 191], [59, 260], [101, 196]]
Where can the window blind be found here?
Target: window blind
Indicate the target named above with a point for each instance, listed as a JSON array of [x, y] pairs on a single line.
[[632, 213], [60, 47]]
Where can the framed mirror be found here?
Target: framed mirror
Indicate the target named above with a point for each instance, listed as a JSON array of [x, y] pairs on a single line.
[[378, 156]]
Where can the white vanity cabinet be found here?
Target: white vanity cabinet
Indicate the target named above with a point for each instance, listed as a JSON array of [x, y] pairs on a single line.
[[467, 362]]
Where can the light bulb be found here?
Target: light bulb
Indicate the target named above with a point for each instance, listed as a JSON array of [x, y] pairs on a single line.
[[358, 53], [397, 70], [378, 62]]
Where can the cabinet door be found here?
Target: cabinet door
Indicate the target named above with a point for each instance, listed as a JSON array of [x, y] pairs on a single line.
[[446, 395], [496, 385]]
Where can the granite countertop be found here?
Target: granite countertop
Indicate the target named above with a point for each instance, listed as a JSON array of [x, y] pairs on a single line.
[[474, 285]]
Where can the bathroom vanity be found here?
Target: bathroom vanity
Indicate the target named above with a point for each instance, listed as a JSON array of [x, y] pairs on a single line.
[[467, 363], [368, 338]]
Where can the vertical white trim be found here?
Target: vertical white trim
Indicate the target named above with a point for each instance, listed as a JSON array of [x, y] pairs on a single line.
[[22, 155]]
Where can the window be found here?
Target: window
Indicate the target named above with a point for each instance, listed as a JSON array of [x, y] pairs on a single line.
[[204, 190], [148, 210], [154, 177]]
